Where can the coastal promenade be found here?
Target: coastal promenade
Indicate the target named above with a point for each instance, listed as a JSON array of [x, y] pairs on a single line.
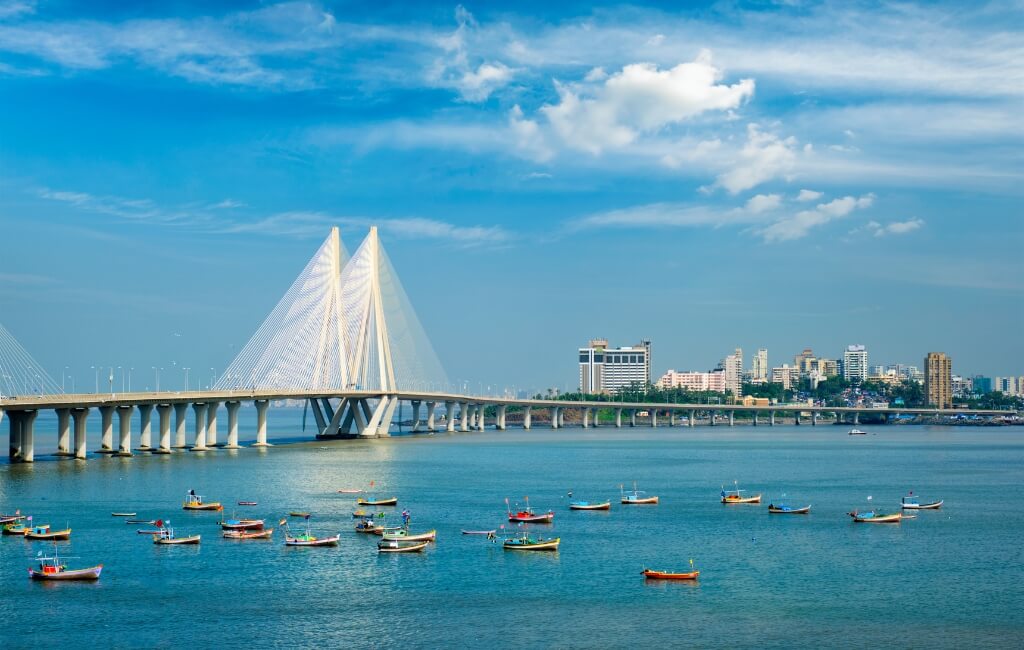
[[357, 414]]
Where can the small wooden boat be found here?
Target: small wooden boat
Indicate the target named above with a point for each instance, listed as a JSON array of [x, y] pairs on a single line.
[[309, 540], [525, 542], [382, 530], [783, 509], [857, 432], [350, 491], [148, 531], [248, 503], [195, 502], [404, 535], [735, 496], [393, 501], [122, 514], [634, 499], [910, 502], [528, 516], [586, 505], [480, 532], [43, 533], [872, 517], [10, 519], [166, 536], [296, 513], [650, 574], [53, 568], [398, 546], [360, 514], [249, 534], [367, 526], [242, 524], [140, 521], [16, 529]]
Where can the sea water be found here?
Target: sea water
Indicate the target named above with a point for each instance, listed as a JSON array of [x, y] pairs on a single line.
[[948, 578]]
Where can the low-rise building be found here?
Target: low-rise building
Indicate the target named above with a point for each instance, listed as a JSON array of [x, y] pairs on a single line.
[[694, 380]]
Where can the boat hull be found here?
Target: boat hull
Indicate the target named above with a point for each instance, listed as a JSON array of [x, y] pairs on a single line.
[[53, 535], [176, 541], [202, 506], [789, 511], [515, 545], [388, 547], [524, 518], [326, 541], [393, 501], [92, 573], [479, 532], [607, 505], [935, 505], [244, 524], [243, 534], [736, 500], [882, 519], [645, 501], [666, 575], [428, 536]]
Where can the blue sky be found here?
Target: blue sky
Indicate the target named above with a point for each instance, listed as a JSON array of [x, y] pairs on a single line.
[[713, 175]]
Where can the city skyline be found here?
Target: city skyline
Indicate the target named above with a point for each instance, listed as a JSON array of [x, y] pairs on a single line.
[[706, 178]]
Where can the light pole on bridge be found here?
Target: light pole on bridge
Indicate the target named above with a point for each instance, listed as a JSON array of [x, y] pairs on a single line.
[[63, 373], [97, 369]]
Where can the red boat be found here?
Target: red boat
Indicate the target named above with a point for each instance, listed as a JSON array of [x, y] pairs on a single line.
[[527, 515]]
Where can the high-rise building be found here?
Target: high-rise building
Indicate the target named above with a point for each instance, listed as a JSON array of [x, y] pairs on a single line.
[[981, 385], [938, 374], [804, 361], [855, 363], [759, 367], [786, 375], [827, 368], [694, 380], [604, 369], [733, 365]]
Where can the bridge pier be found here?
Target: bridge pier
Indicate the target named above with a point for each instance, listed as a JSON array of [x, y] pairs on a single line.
[[500, 425], [124, 417], [554, 417], [26, 427], [771, 418], [430, 416], [586, 418], [671, 418], [632, 417], [211, 424], [146, 430], [713, 413], [232, 408], [527, 417], [654, 418], [415, 416], [692, 418], [732, 418], [814, 418], [14, 427], [449, 411], [199, 408], [180, 415], [163, 411], [63, 432], [755, 418], [481, 412], [618, 418], [80, 416], [261, 422], [464, 419], [106, 430], [856, 417]]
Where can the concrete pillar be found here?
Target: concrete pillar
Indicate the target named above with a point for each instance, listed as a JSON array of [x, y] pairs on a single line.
[[632, 417], [500, 425], [654, 417], [64, 432], [474, 409], [146, 432], [586, 418], [199, 408], [261, 422], [561, 417], [618, 418], [232, 408], [415, 416], [106, 430], [211, 424], [796, 418], [856, 417], [430, 416], [692, 419], [554, 417], [164, 412], [28, 447], [712, 418], [771, 418], [527, 417], [180, 414], [464, 420], [80, 416], [481, 410], [449, 410], [732, 418], [671, 418], [124, 417], [755, 418], [814, 418], [14, 422]]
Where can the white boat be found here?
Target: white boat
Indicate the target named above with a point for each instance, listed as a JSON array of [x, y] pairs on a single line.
[[910, 502], [404, 535], [857, 432]]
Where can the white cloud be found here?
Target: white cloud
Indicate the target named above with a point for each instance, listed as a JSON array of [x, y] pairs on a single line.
[[12, 8], [454, 69], [808, 195], [800, 224], [654, 215], [765, 156], [894, 227], [763, 203], [528, 136]]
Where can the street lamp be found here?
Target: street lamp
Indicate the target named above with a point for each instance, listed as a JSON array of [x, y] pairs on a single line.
[[130, 379], [156, 374], [110, 378], [97, 369], [121, 369], [186, 378], [213, 376]]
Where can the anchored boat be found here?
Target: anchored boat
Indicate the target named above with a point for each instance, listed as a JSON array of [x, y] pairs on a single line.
[[393, 501], [872, 517], [527, 514], [167, 537], [43, 533], [399, 546], [53, 568], [195, 502], [524, 542], [651, 574], [910, 502], [735, 496], [242, 524], [249, 534], [634, 498], [307, 538], [857, 432], [586, 505], [403, 534], [783, 509]]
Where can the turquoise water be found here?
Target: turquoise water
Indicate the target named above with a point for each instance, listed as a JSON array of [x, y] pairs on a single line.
[[946, 579]]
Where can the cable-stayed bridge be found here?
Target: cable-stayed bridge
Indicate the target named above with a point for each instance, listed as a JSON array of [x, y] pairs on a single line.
[[345, 339]]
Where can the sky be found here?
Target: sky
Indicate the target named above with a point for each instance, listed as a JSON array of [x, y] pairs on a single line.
[[705, 175]]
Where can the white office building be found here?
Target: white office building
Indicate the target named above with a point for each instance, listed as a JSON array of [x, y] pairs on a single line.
[[604, 369], [733, 365], [759, 370], [855, 363]]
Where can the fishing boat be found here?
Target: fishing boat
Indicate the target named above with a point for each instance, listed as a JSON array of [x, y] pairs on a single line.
[[167, 537], [242, 524], [122, 514], [783, 509], [872, 517], [393, 501], [296, 513], [525, 542], [248, 503], [53, 568], [148, 531], [265, 533], [910, 502], [382, 530], [195, 502], [16, 529], [489, 533], [367, 526], [403, 534], [360, 513], [140, 521], [527, 514], [586, 505], [651, 574], [857, 432], [307, 538], [399, 546], [350, 491], [634, 498], [43, 533], [10, 519], [735, 496]]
